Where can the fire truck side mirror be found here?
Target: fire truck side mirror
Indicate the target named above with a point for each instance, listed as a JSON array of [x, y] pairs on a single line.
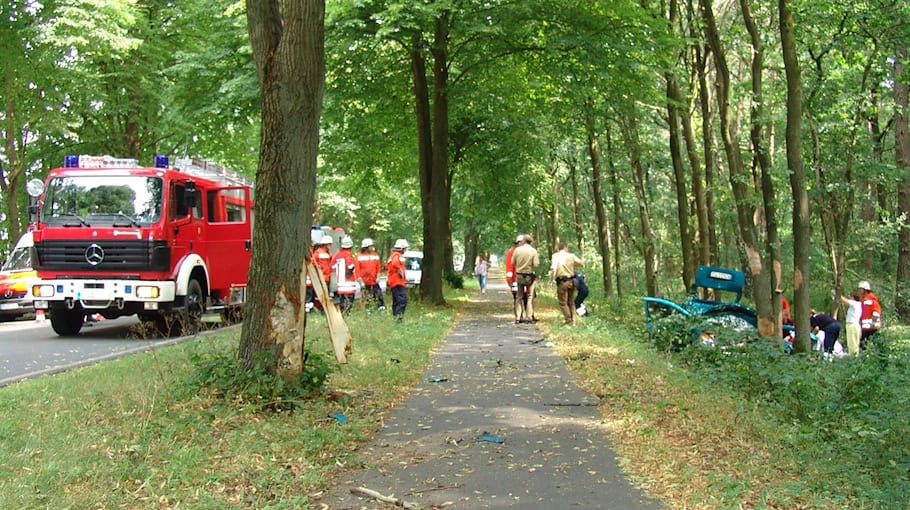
[[190, 196]]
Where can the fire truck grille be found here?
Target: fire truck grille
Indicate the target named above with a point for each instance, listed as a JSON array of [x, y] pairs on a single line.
[[102, 255]]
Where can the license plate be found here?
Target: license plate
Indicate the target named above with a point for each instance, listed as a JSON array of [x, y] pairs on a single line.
[[94, 294], [9, 306]]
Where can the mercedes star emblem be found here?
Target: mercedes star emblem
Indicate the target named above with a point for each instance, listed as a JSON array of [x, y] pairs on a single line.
[[94, 254]]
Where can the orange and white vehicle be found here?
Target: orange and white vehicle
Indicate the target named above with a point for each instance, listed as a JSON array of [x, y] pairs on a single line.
[[115, 238], [16, 276]]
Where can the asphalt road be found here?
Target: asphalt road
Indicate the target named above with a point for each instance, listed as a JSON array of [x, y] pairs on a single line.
[[32, 349]]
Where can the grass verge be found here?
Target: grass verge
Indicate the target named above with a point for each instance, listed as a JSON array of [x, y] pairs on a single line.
[[134, 433]]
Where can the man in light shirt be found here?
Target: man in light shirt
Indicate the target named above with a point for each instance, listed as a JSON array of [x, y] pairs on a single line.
[[563, 266]]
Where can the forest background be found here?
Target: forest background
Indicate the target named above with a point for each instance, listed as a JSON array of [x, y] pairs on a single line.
[[652, 136]]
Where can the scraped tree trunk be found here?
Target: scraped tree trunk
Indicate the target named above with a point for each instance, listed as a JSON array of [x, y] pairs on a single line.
[[762, 158], [801, 227], [739, 181], [288, 48]]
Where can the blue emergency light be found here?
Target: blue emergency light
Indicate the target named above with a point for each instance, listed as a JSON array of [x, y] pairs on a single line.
[[71, 161], [161, 161]]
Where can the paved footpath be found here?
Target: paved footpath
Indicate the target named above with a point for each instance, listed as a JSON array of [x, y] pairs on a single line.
[[501, 379]]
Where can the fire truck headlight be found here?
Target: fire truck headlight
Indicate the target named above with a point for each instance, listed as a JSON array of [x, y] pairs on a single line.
[[147, 292], [42, 290]]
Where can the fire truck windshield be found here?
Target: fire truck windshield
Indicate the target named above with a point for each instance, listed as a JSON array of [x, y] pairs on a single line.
[[102, 201]]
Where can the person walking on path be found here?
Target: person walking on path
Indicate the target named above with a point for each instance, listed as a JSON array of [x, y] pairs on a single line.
[[498, 421], [367, 268], [854, 312], [563, 266], [871, 319], [526, 260], [480, 271], [398, 285]]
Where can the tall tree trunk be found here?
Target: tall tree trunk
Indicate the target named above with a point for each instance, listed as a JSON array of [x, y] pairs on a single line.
[[868, 188], [902, 158], [553, 208], [687, 247], [707, 134], [629, 129], [761, 156], [10, 177], [436, 218], [576, 210], [471, 247], [617, 204], [288, 48], [801, 226], [674, 105], [600, 214], [739, 179]]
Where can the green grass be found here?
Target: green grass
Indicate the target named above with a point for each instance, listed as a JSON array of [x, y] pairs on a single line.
[[135, 433]]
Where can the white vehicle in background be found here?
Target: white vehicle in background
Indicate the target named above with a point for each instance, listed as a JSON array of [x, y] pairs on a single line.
[[16, 278], [413, 267]]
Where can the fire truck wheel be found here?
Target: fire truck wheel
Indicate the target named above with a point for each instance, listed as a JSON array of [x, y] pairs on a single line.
[[67, 322], [194, 307]]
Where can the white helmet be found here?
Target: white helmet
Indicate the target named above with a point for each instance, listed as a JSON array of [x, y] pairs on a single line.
[[401, 244], [865, 285], [326, 239], [347, 242], [520, 238], [366, 243]]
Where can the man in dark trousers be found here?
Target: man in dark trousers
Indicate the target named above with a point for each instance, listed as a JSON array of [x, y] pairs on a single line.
[[826, 323]]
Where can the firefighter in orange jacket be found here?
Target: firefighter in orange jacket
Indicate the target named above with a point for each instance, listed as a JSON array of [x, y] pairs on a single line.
[[322, 256], [871, 319], [367, 268], [343, 265], [398, 285]]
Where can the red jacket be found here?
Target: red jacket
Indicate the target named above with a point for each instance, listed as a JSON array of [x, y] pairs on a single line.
[[347, 259], [395, 270], [324, 261], [871, 319], [367, 267], [510, 267]]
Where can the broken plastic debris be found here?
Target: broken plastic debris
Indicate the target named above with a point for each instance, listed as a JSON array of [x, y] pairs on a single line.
[[438, 379], [340, 418], [486, 437]]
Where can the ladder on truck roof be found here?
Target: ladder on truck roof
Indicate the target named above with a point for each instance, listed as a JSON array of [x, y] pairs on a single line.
[[211, 171]]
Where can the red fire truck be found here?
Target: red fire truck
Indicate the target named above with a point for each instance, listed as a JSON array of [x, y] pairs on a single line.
[[167, 243]]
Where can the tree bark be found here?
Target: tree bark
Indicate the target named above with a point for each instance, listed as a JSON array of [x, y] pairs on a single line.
[[761, 156], [600, 214], [739, 181], [902, 158], [801, 226], [614, 240], [707, 134], [629, 129], [576, 210], [674, 103], [10, 177], [288, 48]]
